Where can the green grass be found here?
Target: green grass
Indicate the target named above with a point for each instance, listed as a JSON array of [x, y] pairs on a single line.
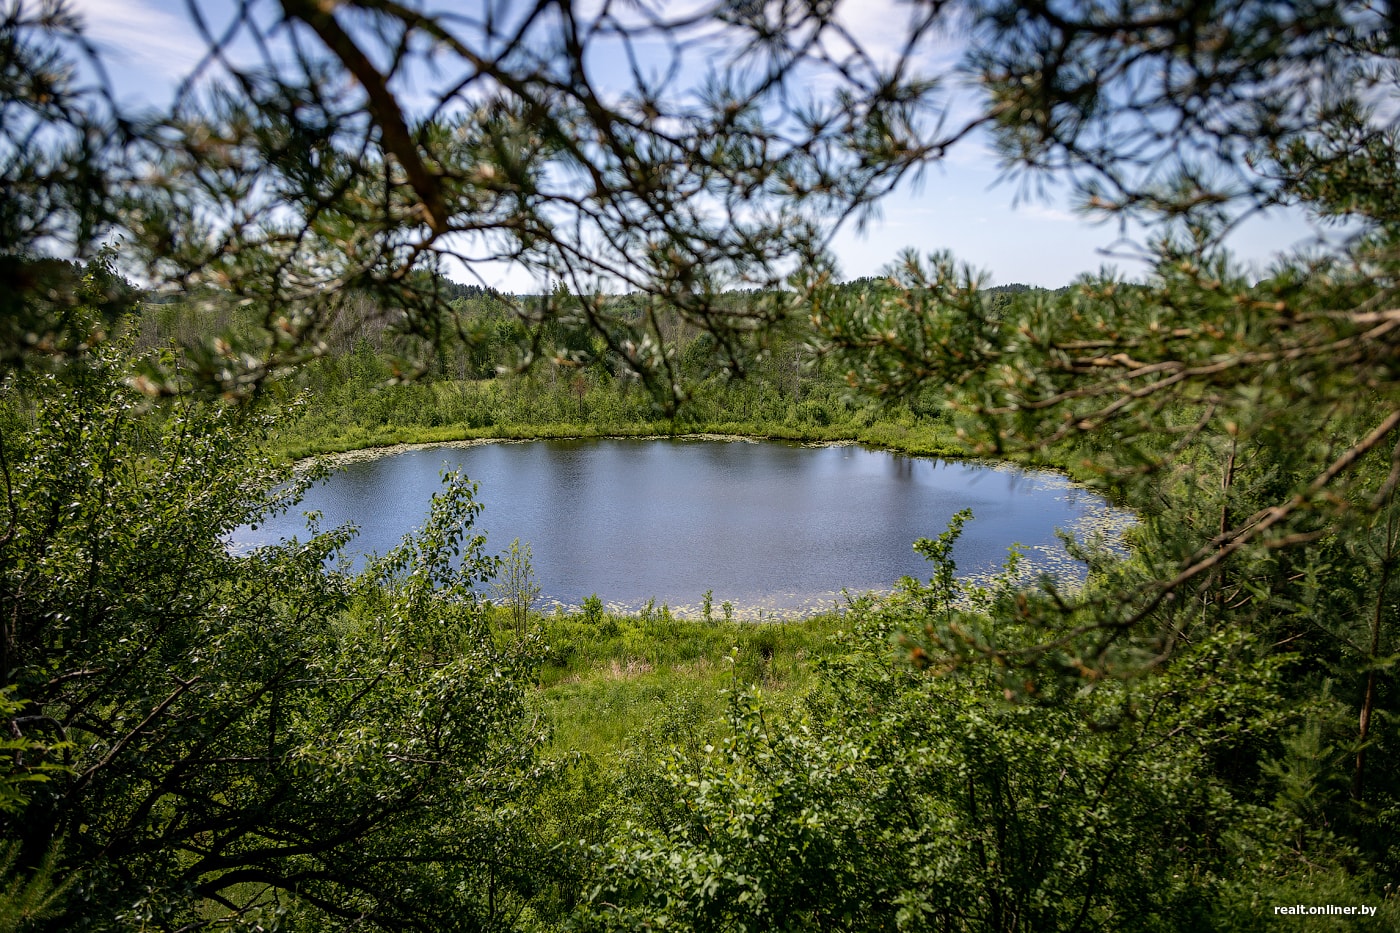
[[609, 678], [355, 410]]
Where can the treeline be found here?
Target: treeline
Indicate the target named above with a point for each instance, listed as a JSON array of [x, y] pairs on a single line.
[[519, 367]]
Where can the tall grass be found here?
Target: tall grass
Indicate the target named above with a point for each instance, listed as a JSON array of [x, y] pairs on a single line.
[[608, 677]]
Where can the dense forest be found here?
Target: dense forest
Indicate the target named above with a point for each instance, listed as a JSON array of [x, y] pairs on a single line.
[[1201, 736], [368, 388]]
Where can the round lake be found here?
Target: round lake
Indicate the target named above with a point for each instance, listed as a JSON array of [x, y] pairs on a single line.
[[781, 527]]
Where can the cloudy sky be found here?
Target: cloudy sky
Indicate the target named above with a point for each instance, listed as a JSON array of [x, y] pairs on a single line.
[[961, 204]]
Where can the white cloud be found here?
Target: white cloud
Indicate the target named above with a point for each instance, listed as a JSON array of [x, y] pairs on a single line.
[[136, 34], [1045, 212], [881, 27]]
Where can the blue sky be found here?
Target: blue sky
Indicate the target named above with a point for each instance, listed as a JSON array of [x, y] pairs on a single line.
[[959, 204]]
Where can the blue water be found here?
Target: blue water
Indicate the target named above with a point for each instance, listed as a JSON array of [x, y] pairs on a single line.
[[773, 525]]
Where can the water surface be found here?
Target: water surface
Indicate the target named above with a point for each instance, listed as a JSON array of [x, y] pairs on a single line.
[[783, 527]]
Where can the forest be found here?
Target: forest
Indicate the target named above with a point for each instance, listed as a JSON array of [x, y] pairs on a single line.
[[196, 297], [355, 394]]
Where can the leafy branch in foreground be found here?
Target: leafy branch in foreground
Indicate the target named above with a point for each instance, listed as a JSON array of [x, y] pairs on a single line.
[[240, 737], [1250, 420], [1246, 419], [296, 173]]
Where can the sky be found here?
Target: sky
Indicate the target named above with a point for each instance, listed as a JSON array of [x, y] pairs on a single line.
[[961, 204]]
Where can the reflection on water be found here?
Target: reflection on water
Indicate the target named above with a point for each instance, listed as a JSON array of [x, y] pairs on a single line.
[[781, 527]]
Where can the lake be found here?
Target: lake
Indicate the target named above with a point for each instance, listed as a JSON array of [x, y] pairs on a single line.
[[769, 526]]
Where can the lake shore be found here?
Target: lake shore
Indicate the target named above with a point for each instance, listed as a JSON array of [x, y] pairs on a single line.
[[374, 453], [919, 441]]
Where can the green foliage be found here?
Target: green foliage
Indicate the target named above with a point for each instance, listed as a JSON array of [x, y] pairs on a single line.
[[243, 736], [25, 759], [593, 610], [931, 804], [28, 897], [902, 801], [516, 586]]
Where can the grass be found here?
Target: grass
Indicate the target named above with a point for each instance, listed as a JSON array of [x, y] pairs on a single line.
[[610, 677], [922, 440]]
